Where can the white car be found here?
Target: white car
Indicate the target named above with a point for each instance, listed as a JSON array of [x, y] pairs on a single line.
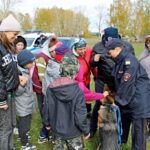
[[35, 40]]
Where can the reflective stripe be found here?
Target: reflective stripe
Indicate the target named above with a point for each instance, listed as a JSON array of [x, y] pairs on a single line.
[[41, 65], [41, 74]]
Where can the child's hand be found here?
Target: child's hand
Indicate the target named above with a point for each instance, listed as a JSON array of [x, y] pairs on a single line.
[[106, 93], [23, 80], [87, 137], [4, 107]]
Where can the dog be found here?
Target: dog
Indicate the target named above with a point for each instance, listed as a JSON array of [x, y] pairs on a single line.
[[107, 123]]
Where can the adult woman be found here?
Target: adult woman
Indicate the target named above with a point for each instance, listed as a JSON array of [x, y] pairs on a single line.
[[9, 80], [145, 61]]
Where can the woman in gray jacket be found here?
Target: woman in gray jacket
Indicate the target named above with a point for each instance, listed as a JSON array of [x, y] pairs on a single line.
[[145, 61]]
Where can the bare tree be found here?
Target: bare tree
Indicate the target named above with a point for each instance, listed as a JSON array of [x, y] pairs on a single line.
[[5, 7], [101, 16]]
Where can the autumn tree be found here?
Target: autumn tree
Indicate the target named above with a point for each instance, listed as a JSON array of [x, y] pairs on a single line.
[[60, 21], [142, 17], [25, 21], [119, 13]]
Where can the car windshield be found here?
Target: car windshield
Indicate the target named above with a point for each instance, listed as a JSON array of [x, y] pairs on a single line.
[[29, 41], [66, 42]]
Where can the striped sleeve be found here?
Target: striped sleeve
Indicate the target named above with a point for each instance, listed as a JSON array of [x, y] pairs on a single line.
[[41, 65]]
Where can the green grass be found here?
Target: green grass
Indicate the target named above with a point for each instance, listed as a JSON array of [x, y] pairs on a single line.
[[89, 144]]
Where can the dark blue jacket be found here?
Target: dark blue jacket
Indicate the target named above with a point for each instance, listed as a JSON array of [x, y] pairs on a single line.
[[65, 109], [132, 85]]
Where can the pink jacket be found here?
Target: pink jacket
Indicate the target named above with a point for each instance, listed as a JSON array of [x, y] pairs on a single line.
[[89, 95]]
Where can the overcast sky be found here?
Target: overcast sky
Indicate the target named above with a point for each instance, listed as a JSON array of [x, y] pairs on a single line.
[[29, 6]]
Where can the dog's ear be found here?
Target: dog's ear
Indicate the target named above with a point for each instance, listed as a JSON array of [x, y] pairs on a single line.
[[110, 97], [106, 88]]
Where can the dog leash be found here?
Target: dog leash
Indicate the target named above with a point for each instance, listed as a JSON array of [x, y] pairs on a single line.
[[117, 113]]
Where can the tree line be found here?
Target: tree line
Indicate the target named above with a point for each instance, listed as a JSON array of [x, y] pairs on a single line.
[[131, 18]]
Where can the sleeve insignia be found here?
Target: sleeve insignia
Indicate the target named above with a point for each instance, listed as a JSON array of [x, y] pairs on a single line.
[[126, 76]]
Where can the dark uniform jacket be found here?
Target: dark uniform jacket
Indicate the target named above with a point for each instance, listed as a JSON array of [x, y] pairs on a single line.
[[105, 64], [132, 85], [9, 80], [66, 109]]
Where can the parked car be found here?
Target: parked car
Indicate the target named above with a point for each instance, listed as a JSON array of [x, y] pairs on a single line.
[[68, 41], [35, 40]]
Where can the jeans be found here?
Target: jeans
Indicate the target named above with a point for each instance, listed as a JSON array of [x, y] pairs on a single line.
[[7, 123]]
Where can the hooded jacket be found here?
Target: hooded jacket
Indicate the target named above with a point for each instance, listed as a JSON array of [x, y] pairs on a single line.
[[65, 109], [39, 70], [24, 96], [9, 79]]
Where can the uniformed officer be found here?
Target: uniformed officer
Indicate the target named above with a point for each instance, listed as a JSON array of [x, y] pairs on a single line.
[[132, 90]]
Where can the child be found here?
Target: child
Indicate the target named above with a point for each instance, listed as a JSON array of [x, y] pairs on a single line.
[[132, 91], [20, 44], [66, 109], [38, 74], [25, 99]]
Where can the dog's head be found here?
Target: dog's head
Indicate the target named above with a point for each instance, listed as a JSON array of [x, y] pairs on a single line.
[[110, 98]]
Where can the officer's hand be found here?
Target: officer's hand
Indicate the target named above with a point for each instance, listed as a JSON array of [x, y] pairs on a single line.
[[23, 80], [5, 107], [87, 137], [97, 57], [106, 93]]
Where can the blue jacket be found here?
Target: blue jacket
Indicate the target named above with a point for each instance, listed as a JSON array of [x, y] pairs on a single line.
[[132, 85]]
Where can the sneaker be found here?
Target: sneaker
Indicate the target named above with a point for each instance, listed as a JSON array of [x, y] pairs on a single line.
[[15, 131], [28, 135], [42, 139], [28, 147]]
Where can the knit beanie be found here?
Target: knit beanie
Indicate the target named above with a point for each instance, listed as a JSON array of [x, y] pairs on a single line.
[[25, 57], [79, 44], [52, 43], [69, 65], [10, 24], [22, 40], [61, 51]]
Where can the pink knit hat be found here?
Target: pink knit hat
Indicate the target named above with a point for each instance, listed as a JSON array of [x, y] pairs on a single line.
[[10, 24]]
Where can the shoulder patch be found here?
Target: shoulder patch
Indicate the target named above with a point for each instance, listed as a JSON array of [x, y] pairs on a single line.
[[127, 62]]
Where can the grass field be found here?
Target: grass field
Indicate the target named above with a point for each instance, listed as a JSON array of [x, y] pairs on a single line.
[[90, 144]]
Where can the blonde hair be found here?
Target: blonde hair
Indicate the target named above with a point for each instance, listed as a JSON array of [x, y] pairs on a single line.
[[3, 39]]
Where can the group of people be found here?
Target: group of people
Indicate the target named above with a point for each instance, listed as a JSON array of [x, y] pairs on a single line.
[[60, 78]]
